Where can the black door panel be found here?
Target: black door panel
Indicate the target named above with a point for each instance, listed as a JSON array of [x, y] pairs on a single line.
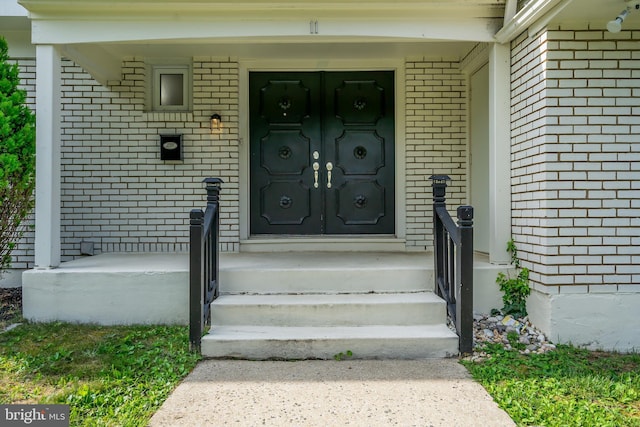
[[322, 153]]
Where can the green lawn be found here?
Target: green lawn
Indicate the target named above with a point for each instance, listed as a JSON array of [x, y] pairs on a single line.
[[565, 387], [110, 376], [119, 376]]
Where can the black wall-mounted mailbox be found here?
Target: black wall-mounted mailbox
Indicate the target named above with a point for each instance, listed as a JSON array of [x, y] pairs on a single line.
[[170, 147]]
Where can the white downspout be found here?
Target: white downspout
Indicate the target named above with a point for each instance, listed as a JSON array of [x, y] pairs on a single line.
[[500, 146], [531, 13], [510, 10], [499, 152]]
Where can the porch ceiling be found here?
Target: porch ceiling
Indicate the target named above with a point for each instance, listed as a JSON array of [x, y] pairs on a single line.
[[103, 61]]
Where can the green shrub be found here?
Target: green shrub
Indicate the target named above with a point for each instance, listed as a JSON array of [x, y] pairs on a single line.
[[17, 157], [515, 289]]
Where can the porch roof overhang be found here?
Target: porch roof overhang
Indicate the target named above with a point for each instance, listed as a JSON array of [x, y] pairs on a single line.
[[98, 34]]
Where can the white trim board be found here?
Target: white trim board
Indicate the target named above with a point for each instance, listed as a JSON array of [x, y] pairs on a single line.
[[396, 65]]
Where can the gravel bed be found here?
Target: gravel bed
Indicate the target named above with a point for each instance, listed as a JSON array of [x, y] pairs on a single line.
[[510, 332], [499, 329]]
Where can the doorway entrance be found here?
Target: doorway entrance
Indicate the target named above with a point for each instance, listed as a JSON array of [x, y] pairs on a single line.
[[322, 152]]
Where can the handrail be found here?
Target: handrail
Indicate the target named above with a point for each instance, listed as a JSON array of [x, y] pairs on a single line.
[[453, 261], [204, 287], [448, 224]]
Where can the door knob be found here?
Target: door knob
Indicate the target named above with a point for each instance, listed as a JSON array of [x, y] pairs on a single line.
[[316, 167], [329, 169]]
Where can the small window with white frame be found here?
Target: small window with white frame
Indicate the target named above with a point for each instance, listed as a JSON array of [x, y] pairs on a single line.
[[171, 87]]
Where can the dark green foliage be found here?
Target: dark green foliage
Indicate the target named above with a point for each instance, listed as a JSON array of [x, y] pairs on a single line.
[[514, 290], [566, 387], [17, 157], [341, 356], [513, 338]]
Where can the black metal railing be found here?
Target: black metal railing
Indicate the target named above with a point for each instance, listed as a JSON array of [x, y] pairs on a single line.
[[453, 257], [204, 232]]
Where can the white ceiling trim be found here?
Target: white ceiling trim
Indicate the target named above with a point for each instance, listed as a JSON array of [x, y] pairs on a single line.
[[68, 32]]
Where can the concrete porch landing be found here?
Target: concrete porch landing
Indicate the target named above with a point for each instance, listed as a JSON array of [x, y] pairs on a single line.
[[110, 289], [129, 288]]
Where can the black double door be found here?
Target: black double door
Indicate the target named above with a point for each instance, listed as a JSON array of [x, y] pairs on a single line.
[[322, 153]]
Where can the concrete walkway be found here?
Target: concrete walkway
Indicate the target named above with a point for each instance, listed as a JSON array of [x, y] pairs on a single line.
[[434, 392]]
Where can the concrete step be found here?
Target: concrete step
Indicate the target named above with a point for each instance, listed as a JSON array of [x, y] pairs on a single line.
[[325, 272], [317, 304], [329, 309], [365, 342]]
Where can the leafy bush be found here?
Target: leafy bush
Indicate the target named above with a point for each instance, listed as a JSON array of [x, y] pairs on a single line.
[[515, 289], [17, 157]]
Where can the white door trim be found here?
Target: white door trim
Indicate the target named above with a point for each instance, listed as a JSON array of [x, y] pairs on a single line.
[[248, 243]]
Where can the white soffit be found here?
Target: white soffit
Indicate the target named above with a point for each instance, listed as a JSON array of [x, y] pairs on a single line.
[[90, 21]]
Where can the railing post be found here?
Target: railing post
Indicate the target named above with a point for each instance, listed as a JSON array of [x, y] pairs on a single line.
[[203, 262], [213, 186], [439, 186], [453, 260], [464, 306], [213, 189], [196, 294]]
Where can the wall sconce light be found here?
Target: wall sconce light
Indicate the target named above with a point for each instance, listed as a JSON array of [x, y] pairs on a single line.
[[216, 123], [615, 25]]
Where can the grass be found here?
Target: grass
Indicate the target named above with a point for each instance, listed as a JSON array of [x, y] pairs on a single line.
[[119, 376], [565, 387], [109, 376]]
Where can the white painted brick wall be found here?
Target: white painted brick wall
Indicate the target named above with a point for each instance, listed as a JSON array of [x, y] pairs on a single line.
[[575, 151], [435, 141], [117, 193]]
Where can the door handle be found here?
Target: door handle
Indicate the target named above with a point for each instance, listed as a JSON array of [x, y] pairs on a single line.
[[329, 169], [316, 167]]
